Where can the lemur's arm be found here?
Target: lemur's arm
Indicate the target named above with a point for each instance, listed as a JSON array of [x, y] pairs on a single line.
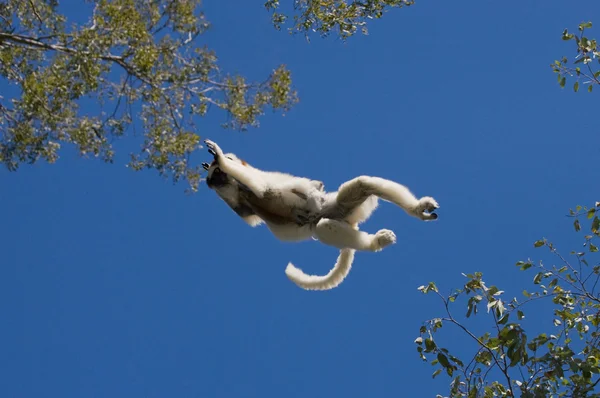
[[245, 175]]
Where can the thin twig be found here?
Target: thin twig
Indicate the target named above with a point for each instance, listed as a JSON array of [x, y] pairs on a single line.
[[36, 13], [503, 355], [467, 331]]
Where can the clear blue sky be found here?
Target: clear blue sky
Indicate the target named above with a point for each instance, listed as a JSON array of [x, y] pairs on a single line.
[[117, 284]]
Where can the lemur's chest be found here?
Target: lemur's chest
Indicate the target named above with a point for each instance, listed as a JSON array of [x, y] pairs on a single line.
[[279, 207]]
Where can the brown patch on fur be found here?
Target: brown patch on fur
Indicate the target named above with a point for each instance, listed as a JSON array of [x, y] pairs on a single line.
[[244, 162], [299, 194]]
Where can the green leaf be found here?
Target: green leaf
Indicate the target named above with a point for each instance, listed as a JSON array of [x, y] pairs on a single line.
[[566, 35], [520, 315], [538, 277], [493, 343], [577, 225], [514, 356], [484, 357], [456, 360], [590, 213], [595, 225], [576, 87], [593, 248], [492, 290], [500, 307], [590, 88], [526, 266], [437, 372], [538, 243], [504, 319], [432, 286], [429, 345], [470, 307], [585, 25], [443, 360]]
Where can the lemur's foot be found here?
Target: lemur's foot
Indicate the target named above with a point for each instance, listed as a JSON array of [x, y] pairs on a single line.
[[425, 208], [383, 238], [318, 185], [213, 149]]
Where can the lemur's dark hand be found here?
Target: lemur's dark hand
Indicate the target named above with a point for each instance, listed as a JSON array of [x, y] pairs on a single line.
[[206, 166], [426, 207], [214, 149]]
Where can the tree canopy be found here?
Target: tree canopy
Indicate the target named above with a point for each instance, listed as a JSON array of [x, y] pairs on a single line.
[[560, 358], [137, 60], [324, 16], [141, 60]]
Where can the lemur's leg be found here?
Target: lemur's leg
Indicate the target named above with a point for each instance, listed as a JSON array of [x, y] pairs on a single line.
[[342, 235], [353, 194], [243, 174]]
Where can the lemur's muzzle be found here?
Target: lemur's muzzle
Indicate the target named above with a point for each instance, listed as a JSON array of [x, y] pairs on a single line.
[[217, 179]]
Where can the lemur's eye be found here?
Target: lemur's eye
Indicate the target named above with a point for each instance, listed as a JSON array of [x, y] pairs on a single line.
[[229, 157]]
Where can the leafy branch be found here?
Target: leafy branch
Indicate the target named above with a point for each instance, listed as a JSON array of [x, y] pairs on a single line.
[[581, 67], [565, 362], [325, 16], [139, 58]]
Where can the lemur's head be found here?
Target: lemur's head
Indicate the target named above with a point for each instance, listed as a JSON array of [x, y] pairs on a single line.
[[216, 178]]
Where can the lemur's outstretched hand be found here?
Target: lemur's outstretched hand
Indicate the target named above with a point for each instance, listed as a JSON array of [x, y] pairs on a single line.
[[214, 149], [425, 209]]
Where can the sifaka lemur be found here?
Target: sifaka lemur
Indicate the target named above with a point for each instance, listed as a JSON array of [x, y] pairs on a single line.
[[297, 208]]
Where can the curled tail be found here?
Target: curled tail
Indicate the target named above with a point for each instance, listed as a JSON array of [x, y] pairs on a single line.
[[314, 282]]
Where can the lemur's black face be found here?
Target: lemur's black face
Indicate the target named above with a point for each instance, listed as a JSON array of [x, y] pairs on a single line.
[[217, 179]]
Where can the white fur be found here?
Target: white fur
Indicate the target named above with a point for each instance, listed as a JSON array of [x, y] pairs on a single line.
[[297, 208], [314, 282]]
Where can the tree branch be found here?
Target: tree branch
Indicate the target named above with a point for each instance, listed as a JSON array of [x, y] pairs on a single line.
[[36, 13], [467, 331]]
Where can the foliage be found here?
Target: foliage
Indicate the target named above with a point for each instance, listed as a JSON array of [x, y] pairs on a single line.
[[507, 359], [134, 58], [323, 16], [581, 67]]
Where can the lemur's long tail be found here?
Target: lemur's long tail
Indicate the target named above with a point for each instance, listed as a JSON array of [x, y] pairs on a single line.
[[314, 282]]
